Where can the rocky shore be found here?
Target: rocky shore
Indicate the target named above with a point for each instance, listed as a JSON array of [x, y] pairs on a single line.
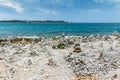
[[61, 58]]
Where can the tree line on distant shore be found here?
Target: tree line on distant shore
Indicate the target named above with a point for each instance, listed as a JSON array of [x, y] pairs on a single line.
[[35, 21]]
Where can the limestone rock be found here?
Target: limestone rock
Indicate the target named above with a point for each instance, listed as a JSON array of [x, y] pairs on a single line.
[[77, 48]]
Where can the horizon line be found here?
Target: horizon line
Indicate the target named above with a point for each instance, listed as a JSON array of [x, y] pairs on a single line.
[[55, 20]]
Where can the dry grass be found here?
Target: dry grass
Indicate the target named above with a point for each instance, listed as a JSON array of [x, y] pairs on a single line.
[[84, 77], [19, 40]]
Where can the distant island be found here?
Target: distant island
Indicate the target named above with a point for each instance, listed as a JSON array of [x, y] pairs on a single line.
[[34, 21]]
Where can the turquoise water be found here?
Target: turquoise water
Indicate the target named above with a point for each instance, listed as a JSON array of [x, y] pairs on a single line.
[[39, 29]]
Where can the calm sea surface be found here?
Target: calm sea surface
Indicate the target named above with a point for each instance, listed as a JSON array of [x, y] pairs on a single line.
[[39, 29]]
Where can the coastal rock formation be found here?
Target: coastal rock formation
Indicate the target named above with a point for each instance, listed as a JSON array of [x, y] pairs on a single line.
[[63, 58]]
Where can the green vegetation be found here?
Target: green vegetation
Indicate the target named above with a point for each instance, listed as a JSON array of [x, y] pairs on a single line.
[[61, 46]]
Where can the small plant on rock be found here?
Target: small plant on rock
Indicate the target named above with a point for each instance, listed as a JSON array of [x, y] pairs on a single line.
[[61, 46]]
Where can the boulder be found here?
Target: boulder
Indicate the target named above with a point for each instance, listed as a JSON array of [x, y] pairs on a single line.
[[77, 48]]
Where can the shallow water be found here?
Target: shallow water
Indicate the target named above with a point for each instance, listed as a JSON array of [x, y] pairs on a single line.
[[41, 29]]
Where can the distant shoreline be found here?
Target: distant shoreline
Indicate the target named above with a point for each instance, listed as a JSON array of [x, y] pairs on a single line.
[[54, 21], [35, 21]]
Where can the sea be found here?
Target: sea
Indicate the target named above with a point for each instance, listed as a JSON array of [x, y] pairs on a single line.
[[14, 29]]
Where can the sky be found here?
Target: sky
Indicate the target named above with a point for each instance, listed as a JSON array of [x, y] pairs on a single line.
[[67, 10]]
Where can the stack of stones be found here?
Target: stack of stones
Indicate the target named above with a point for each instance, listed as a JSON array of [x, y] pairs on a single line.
[[77, 48]]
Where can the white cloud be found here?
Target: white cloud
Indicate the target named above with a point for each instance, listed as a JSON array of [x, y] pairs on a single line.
[[102, 1], [46, 11], [110, 4], [12, 5], [115, 0]]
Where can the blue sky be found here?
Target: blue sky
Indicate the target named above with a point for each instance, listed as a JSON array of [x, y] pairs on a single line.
[[68, 10]]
